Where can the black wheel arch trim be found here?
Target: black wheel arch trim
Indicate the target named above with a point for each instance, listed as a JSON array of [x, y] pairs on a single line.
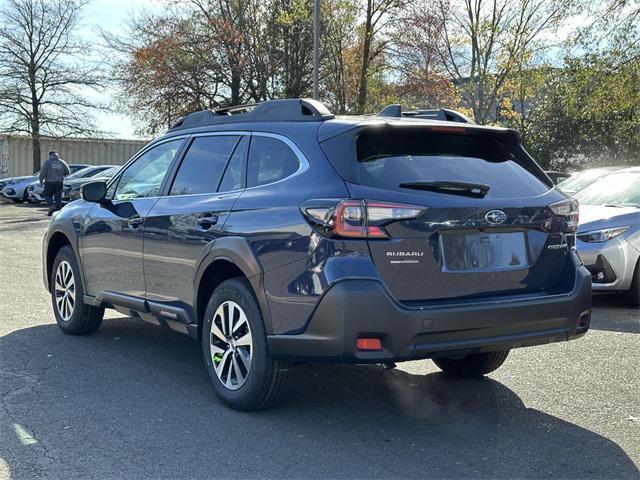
[[237, 251], [69, 233]]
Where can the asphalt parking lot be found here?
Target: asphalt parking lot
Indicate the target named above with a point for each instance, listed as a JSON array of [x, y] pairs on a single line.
[[134, 401]]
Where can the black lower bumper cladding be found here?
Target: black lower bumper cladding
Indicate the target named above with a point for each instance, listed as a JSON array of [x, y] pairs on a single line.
[[354, 309]]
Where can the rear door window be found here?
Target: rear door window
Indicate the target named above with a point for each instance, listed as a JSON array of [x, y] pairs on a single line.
[[233, 173], [203, 165], [270, 160]]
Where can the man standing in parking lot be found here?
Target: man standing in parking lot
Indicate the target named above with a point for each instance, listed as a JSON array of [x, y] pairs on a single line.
[[52, 174]]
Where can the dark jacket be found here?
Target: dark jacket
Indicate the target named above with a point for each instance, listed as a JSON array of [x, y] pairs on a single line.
[[54, 169]]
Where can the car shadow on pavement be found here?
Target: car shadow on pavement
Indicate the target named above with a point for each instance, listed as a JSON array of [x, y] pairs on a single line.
[[621, 317], [24, 204], [29, 220], [134, 400]]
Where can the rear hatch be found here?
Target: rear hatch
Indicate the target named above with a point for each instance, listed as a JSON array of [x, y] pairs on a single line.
[[481, 226]]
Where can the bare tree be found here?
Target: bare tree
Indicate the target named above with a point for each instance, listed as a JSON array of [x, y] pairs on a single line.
[[483, 40], [378, 15], [338, 43], [421, 79], [42, 75], [227, 21]]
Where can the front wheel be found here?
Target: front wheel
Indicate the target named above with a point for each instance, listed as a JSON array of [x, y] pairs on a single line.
[[475, 365], [244, 375], [72, 315]]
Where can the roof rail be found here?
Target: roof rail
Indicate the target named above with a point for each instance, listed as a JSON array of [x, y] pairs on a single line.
[[286, 110], [444, 114]]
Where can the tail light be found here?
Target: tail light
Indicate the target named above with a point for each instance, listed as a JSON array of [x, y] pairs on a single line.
[[568, 211], [358, 218]]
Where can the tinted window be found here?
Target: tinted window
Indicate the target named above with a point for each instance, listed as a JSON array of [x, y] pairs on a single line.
[[387, 158], [270, 160], [203, 165], [143, 177], [232, 179]]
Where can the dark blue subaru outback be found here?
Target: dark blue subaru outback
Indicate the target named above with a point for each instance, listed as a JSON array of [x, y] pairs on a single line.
[[278, 233]]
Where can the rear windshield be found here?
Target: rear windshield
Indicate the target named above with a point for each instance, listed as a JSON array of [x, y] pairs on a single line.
[[386, 158]]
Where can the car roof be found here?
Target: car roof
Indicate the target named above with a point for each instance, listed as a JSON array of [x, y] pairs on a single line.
[[290, 116]]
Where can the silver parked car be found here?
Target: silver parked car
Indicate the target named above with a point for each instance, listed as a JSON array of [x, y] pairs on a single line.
[[16, 187], [608, 238], [35, 191]]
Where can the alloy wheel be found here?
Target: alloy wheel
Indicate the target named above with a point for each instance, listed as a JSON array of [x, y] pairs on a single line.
[[65, 290], [231, 345]]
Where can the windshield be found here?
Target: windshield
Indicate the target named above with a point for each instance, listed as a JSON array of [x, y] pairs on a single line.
[[620, 189], [83, 172], [579, 180]]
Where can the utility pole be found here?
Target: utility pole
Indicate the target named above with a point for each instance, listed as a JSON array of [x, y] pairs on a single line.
[[316, 48]]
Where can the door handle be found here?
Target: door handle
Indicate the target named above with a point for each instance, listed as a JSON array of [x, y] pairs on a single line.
[[207, 221], [135, 222]]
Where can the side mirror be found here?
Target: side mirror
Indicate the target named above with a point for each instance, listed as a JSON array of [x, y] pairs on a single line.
[[94, 191]]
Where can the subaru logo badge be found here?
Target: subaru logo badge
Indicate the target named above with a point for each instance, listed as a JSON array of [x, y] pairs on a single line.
[[495, 217]]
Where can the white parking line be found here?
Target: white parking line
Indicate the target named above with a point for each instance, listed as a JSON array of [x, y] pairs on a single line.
[[23, 435]]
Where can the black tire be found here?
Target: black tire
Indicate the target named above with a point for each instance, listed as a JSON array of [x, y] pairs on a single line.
[[84, 319], [475, 365], [266, 378], [633, 295], [17, 200]]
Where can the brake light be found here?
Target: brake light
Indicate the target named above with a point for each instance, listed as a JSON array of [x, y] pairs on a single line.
[[448, 129], [359, 218], [569, 211]]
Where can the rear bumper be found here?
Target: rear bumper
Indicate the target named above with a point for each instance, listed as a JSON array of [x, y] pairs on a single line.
[[363, 308]]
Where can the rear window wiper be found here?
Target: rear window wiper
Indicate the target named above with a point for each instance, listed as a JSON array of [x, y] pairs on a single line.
[[477, 190]]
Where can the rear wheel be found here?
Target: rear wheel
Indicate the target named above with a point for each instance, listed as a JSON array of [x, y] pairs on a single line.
[[72, 315], [244, 375], [475, 365]]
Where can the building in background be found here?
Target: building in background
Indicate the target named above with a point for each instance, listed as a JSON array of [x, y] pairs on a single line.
[[16, 157]]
